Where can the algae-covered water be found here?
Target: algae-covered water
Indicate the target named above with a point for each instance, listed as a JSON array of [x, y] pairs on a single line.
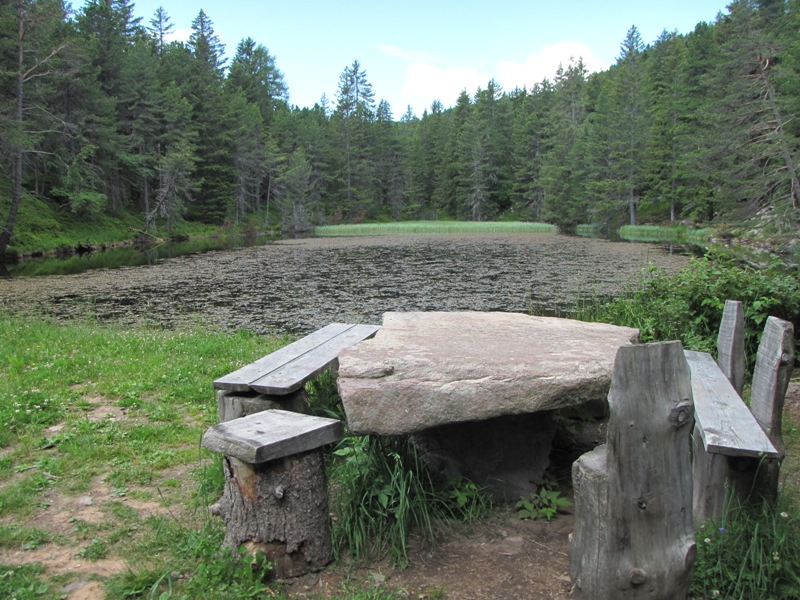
[[296, 286]]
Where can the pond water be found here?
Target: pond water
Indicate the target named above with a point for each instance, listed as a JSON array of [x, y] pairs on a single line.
[[297, 286]]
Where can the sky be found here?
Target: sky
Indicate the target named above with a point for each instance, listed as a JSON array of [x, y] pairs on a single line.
[[416, 52]]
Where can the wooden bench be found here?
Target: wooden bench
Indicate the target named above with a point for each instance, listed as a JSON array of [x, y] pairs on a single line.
[[724, 423], [276, 380], [738, 450], [275, 496]]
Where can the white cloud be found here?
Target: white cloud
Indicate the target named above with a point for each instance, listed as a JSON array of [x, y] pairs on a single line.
[[512, 74], [180, 34], [425, 83], [429, 77]]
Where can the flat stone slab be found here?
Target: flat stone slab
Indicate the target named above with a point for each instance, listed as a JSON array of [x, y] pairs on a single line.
[[425, 369]]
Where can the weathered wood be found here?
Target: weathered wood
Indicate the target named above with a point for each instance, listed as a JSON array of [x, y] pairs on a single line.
[[279, 508], [271, 434], [773, 370], [633, 515], [717, 478], [234, 405], [725, 424], [295, 373], [730, 344], [334, 337]]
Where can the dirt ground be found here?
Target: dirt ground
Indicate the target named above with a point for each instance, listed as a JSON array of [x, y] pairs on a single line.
[[499, 558]]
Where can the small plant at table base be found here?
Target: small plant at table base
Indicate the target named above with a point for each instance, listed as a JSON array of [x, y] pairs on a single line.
[[543, 504]]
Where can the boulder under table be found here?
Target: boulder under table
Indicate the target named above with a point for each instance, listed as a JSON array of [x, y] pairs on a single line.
[[477, 389]]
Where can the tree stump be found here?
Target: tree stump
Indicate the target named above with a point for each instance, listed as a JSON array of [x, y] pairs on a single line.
[[633, 533], [234, 405], [275, 495]]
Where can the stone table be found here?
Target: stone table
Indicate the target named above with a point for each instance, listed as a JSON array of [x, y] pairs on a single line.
[[477, 385]]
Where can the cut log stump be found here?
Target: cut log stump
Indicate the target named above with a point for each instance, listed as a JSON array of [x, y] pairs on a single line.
[[633, 533], [275, 495]]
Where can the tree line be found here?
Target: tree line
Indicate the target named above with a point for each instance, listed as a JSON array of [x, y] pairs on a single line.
[[100, 112]]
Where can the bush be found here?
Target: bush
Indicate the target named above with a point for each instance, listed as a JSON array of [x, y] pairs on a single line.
[[687, 305]]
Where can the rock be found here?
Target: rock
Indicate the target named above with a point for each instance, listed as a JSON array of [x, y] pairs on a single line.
[[507, 455], [426, 369]]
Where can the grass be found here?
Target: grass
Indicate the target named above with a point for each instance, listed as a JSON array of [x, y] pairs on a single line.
[[45, 227], [433, 228], [86, 405], [654, 233], [118, 413], [749, 553]]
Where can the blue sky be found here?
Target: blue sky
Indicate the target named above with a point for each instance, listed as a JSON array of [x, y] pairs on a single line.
[[416, 52]]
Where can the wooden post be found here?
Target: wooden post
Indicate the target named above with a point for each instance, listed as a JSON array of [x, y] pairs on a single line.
[[730, 344], [633, 533], [275, 495], [774, 364]]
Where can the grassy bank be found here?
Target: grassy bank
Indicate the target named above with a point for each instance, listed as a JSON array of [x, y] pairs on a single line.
[[433, 228], [652, 233], [44, 228]]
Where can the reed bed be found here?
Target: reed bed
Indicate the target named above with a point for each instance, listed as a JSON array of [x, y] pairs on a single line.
[[654, 233], [432, 228]]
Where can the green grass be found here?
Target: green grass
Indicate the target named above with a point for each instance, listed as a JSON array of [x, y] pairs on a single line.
[[44, 226], [654, 233], [433, 228], [749, 553]]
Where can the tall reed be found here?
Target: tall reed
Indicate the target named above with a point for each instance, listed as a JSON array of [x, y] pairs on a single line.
[[433, 228]]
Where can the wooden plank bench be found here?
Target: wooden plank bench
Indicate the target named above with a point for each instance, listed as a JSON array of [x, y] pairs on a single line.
[[725, 424], [289, 368], [738, 450], [276, 380]]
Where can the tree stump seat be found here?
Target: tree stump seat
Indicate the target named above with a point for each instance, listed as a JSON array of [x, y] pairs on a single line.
[[275, 492]]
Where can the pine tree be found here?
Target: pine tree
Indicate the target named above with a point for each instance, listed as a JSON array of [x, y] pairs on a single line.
[[161, 27], [254, 73], [32, 54], [354, 114], [203, 86], [564, 124]]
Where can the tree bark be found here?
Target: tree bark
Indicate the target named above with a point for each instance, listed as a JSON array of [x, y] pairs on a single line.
[[16, 160], [279, 508]]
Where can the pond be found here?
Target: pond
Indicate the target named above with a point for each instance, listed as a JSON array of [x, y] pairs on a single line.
[[297, 286]]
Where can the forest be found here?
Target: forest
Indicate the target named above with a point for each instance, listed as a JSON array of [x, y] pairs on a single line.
[[100, 113]]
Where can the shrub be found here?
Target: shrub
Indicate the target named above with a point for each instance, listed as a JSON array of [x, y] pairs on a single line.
[[687, 305]]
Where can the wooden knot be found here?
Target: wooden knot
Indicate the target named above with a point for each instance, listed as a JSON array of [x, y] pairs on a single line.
[[785, 358], [638, 577], [683, 414]]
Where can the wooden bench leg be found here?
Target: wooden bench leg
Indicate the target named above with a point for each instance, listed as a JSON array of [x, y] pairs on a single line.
[[280, 508], [718, 477]]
